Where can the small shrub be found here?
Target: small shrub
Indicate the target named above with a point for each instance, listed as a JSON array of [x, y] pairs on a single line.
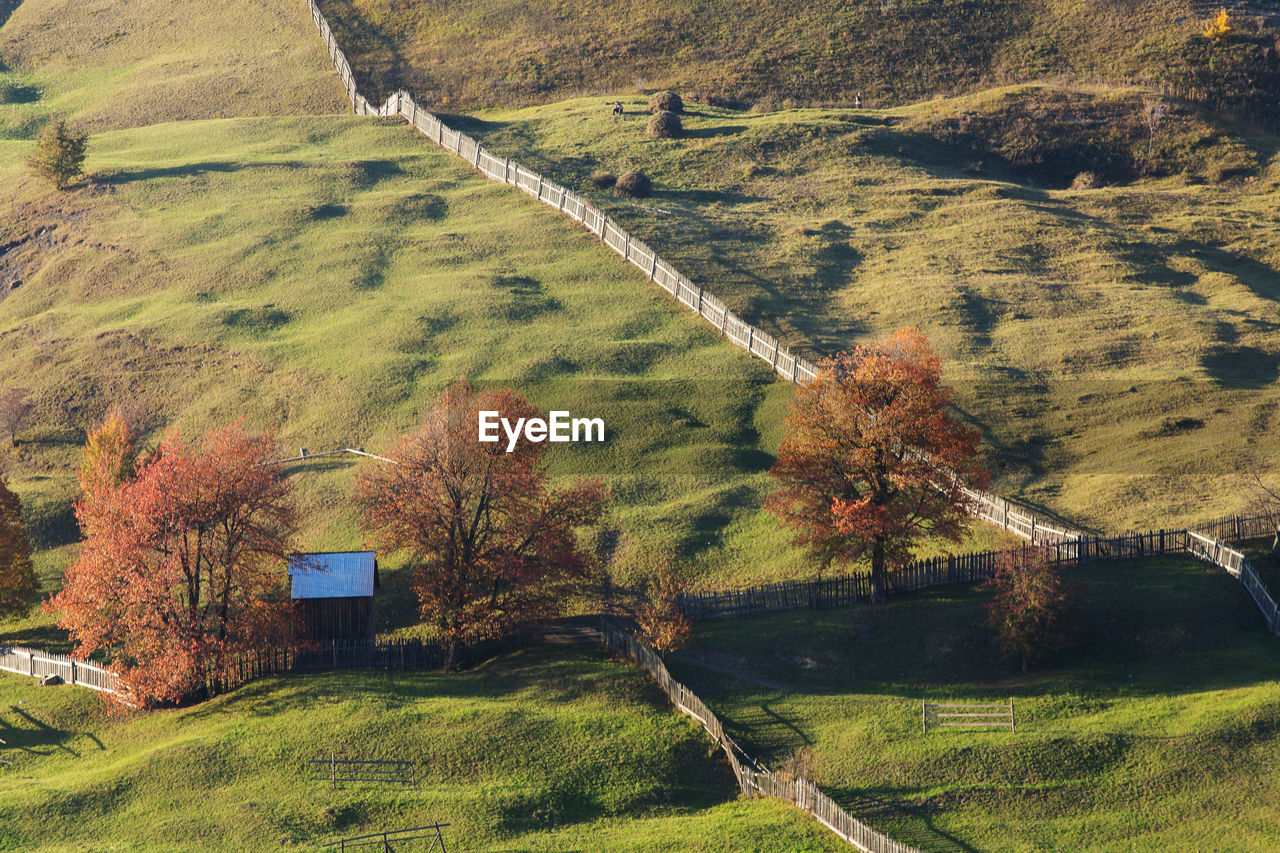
[[602, 180], [665, 102], [664, 125], [633, 185], [767, 104], [1029, 606], [1219, 28], [1086, 181], [60, 153]]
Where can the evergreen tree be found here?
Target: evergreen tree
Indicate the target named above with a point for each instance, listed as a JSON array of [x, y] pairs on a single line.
[[60, 153]]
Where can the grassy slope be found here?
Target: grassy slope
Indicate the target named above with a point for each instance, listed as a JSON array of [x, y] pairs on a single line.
[[486, 53], [118, 65], [327, 276], [539, 750], [1117, 347], [1158, 731]]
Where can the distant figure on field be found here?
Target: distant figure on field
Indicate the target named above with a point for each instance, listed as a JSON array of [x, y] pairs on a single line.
[[617, 108], [857, 101]]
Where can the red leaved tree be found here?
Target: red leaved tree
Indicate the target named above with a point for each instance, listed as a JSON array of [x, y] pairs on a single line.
[[491, 544], [17, 575], [872, 459], [183, 560], [1029, 605]]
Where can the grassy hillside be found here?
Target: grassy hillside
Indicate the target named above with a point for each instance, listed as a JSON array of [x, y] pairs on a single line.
[[540, 750], [1158, 731], [764, 52], [1116, 346], [142, 62], [326, 277]]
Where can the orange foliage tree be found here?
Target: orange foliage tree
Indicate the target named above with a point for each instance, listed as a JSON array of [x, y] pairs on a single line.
[[872, 458], [660, 618], [183, 561], [491, 544], [17, 575]]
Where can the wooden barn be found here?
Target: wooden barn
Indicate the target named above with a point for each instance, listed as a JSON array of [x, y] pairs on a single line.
[[334, 595]]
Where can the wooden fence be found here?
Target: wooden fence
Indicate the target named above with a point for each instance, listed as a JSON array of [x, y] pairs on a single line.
[[1238, 528], [336, 770], [395, 839], [338, 654], [38, 664], [1017, 520], [845, 590], [966, 715], [754, 779], [1225, 557]]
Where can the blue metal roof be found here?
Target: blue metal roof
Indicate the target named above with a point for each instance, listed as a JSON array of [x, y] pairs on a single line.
[[346, 574]]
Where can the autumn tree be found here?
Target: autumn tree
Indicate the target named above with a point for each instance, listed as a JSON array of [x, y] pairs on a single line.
[[873, 459], [491, 543], [660, 618], [17, 575], [1219, 28], [15, 410], [1029, 604], [183, 561]]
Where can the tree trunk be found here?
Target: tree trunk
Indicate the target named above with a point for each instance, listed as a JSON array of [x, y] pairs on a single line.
[[877, 572]]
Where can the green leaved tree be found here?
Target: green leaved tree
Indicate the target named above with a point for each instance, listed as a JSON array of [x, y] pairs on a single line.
[[60, 153]]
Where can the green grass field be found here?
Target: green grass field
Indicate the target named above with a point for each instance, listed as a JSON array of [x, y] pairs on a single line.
[[547, 749], [1157, 731]]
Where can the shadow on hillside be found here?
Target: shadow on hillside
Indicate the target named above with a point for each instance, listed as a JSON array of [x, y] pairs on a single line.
[[1141, 628], [912, 823], [714, 131], [186, 170], [23, 732], [191, 170], [49, 638], [552, 674], [7, 8]]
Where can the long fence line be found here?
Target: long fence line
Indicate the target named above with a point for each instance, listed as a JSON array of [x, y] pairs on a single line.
[[1237, 528], [409, 654], [846, 590], [754, 779], [849, 589], [759, 343]]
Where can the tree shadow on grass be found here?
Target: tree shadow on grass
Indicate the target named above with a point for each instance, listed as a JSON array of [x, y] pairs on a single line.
[[23, 732], [186, 170], [910, 823], [714, 131], [48, 638]]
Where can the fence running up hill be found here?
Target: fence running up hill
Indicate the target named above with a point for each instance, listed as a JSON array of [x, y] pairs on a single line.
[[754, 779], [761, 344]]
